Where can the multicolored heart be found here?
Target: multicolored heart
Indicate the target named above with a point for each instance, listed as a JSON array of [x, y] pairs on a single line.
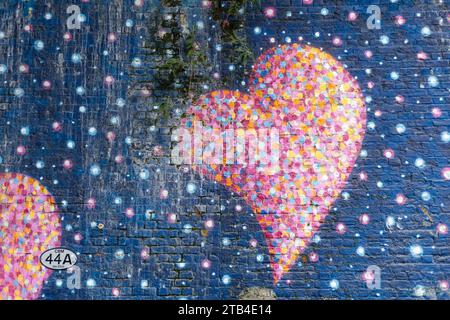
[[318, 109], [29, 225]]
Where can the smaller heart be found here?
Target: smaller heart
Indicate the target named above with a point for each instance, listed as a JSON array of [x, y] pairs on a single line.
[[302, 124], [29, 225]]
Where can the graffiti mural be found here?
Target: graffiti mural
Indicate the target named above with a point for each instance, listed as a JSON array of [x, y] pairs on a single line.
[[245, 149]]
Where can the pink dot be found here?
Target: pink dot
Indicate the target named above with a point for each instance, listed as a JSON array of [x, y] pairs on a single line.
[[378, 113], [129, 212], [28, 28], [67, 164], [389, 153], [145, 254], [364, 219], [115, 292], [206, 264], [422, 56], [57, 126], [436, 112], [209, 224], [24, 68], [352, 16], [118, 159], [400, 199], [443, 285], [112, 37], [46, 85], [206, 4], [110, 136], [77, 237], [109, 80], [341, 228], [67, 36], [313, 257], [253, 243], [90, 203], [163, 194], [442, 228], [308, 2], [399, 20], [368, 276], [363, 176], [368, 54], [21, 150], [172, 218], [337, 41], [399, 99], [370, 84], [270, 12], [446, 173]]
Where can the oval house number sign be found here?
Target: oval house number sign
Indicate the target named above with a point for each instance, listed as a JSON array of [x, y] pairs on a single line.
[[58, 259]]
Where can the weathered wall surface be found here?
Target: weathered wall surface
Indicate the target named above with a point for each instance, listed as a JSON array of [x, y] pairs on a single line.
[[144, 228]]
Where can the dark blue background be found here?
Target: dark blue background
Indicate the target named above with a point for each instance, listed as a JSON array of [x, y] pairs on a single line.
[[38, 109]]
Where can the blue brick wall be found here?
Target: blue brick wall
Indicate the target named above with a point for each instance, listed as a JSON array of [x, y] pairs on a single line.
[[110, 256]]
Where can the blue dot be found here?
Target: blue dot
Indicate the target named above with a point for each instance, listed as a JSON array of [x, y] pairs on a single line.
[[95, 170], [129, 23], [76, 58], [38, 45], [226, 279], [80, 91]]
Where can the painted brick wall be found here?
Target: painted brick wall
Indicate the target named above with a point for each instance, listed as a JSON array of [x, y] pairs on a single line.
[[90, 144]]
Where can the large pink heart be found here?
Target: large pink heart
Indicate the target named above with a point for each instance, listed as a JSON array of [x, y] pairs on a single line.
[[315, 107], [29, 225]]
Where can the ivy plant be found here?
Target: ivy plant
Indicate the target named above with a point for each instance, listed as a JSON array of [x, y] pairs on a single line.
[[180, 59]]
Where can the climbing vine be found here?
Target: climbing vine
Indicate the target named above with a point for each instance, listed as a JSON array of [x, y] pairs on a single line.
[[231, 19], [180, 58]]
